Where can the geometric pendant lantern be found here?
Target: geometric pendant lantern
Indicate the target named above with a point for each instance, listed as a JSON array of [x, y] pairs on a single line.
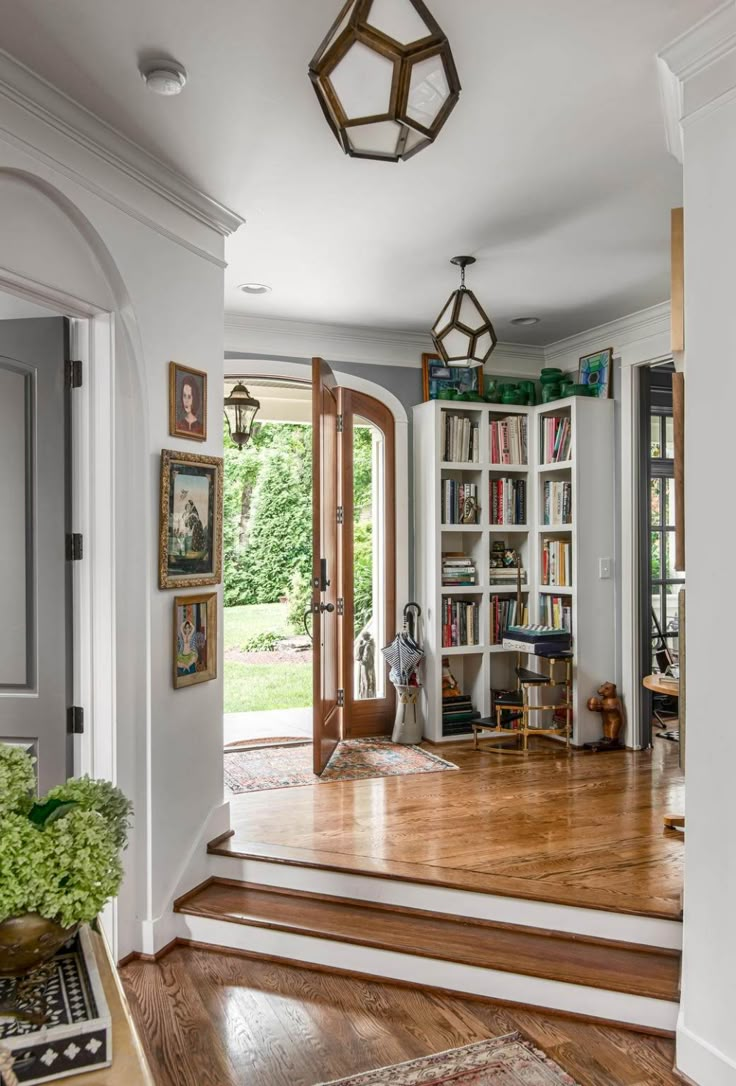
[[385, 78], [463, 334]]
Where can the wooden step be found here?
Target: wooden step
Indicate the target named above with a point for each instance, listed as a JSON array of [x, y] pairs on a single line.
[[647, 972]]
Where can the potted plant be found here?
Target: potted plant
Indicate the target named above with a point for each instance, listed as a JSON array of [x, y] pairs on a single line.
[[59, 859]]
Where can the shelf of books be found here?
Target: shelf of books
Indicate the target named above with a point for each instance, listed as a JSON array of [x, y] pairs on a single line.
[[513, 512]]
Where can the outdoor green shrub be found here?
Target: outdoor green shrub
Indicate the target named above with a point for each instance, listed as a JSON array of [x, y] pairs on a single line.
[[262, 642], [363, 574], [300, 598]]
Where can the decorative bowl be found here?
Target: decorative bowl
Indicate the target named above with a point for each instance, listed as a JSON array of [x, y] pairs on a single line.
[[27, 941]]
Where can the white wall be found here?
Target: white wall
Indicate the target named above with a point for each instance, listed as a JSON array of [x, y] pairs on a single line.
[[103, 237], [702, 69]]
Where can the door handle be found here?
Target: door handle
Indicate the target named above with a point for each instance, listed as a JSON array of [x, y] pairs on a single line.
[[329, 607]]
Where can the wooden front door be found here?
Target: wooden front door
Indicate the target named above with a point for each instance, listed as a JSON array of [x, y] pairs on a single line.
[[327, 711]]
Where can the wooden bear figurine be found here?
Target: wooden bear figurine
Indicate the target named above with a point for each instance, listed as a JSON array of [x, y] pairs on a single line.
[[609, 706]]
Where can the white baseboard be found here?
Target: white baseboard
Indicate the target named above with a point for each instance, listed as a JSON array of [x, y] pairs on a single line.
[[595, 923], [427, 972], [700, 1061], [157, 931]]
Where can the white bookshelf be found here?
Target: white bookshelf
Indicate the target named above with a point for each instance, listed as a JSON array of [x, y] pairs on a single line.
[[483, 667]]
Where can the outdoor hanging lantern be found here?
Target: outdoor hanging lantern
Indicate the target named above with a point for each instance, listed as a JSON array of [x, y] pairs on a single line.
[[385, 78], [240, 412], [463, 335]]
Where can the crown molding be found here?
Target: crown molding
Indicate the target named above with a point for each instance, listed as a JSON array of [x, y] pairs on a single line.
[[639, 337], [23, 88], [697, 72], [357, 343]]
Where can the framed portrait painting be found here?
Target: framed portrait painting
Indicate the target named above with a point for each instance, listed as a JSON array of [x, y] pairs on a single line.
[[190, 535], [195, 639], [595, 370], [437, 376], [187, 402]]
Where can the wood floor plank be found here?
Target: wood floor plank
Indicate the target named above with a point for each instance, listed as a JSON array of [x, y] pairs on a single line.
[[274, 1025], [585, 829], [637, 971]]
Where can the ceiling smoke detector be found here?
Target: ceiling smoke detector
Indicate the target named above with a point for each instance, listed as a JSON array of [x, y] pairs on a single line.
[[165, 77]]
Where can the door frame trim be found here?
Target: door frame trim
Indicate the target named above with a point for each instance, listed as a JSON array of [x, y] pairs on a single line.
[[92, 340], [297, 371]]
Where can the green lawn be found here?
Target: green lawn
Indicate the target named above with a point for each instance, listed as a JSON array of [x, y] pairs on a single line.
[[242, 623], [251, 688]]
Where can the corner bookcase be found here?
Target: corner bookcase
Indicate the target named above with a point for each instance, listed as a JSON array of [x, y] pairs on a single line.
[[575, 549]]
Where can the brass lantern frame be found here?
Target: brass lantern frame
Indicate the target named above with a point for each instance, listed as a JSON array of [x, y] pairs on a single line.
[[403, 57], [452, 322]]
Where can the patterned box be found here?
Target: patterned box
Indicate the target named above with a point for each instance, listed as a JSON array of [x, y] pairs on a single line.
[[78, 1035]]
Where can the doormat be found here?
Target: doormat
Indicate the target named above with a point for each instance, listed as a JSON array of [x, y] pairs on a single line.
[[502, 1061], [354, 759]]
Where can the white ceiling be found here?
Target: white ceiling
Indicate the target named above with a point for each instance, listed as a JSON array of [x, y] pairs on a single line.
[[552, 170]]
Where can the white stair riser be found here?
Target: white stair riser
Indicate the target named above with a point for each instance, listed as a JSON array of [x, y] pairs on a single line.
[[426, 972], [596, 923]]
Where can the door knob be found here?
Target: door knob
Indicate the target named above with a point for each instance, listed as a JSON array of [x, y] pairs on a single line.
[[329, 607]]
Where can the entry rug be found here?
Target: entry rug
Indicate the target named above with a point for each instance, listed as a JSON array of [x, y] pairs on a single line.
[[502, 1061], [354, 759]]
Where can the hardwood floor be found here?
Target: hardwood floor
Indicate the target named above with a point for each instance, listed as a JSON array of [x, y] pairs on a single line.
[[581, 830], [213, 1019]]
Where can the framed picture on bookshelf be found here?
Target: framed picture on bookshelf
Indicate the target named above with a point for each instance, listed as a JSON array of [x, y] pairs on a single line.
[[441, 380], [595, 370]]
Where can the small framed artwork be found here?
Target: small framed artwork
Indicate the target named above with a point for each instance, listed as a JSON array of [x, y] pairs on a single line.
[[190, 532], [595, 370], [187, 402], [439, 378], [195, 639]]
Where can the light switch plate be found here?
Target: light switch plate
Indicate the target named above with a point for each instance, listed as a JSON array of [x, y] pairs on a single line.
[[605, 568]]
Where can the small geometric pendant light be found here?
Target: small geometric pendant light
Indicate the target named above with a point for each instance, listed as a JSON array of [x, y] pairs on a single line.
[[463, 334], [385, 78]]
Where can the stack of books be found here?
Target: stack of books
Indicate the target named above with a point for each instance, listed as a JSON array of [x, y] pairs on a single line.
[[556, 611], [509, 440], [460, 440], [557, 562], [508, 501], [504, 613], [460, 623], [457, 714], [506, 575], [458, 569], [455, 498], [556, 440], [535, 638], [557, 502]]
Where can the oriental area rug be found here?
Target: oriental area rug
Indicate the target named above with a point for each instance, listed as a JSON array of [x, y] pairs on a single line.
[[502, 1061], [353, 760]]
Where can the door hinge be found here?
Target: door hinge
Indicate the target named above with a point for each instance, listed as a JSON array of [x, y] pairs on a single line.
[[341, 698], [75, 720], [74, 547], [340, 514], [340, 605], [73, 373], [340, 423]]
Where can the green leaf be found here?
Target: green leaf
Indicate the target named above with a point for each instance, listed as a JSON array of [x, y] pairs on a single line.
[[41, 814]]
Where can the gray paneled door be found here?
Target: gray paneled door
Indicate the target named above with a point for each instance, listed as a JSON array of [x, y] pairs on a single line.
[[35, 577]]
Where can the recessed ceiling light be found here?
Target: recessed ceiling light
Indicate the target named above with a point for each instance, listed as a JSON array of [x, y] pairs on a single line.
[[254, 288], [164, 76], [525, 320]]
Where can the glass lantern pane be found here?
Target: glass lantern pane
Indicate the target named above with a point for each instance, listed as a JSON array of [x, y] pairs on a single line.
[[483, 345], [362, 82], [413, 140], [335, 32], [428, 91], [380, 138], [469, 314], [443, 321], [398, 19], [456, 344]]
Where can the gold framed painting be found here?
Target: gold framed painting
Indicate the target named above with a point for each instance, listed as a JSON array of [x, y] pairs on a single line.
[[187, 402], [190, 531], [195, 639]]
